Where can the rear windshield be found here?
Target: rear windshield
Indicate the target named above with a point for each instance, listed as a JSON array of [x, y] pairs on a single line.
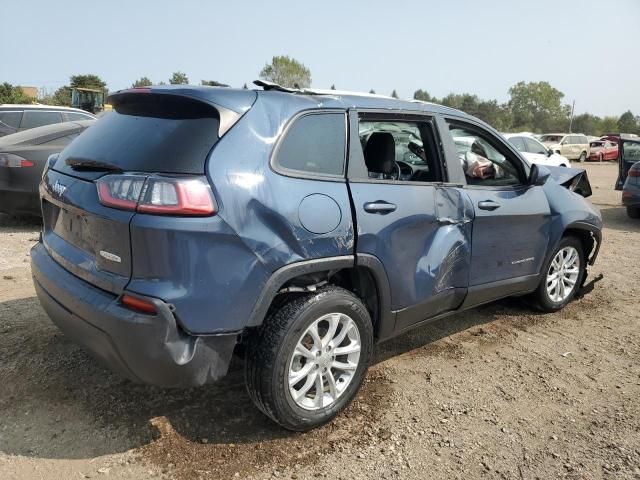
[[148, 133]]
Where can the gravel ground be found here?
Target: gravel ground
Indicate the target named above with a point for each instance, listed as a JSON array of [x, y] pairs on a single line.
[[497, 392]]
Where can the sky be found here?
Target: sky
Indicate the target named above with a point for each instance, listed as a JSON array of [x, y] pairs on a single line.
[[587, 49]]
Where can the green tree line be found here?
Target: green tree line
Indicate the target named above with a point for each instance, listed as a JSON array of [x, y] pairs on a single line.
[[532, 106]]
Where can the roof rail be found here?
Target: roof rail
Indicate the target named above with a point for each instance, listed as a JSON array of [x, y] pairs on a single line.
[[267, 85]]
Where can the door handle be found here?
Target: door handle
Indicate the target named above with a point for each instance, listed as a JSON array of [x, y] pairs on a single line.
[[381, 207], [488, 205]]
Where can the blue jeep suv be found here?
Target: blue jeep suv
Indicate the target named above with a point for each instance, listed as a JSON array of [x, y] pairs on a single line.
[[297, 228]]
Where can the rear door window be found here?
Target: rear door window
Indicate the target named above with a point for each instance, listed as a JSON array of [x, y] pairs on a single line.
[[33, 119], [11, 119], [314, 144]]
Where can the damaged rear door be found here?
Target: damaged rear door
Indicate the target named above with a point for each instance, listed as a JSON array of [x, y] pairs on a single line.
[[418, 226]]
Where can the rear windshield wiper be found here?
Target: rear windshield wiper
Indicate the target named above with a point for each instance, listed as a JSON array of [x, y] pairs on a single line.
[[92, 165]]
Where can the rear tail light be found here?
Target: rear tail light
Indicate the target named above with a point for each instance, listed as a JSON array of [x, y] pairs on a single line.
[[157, 194], [138, 304], [10, 160], [634, 172]]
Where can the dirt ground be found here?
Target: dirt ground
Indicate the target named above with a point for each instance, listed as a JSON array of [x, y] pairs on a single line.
[[497, 392]]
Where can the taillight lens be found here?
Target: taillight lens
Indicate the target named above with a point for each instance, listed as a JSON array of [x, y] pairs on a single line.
[[157, 194], [10, 160], [634, 171]]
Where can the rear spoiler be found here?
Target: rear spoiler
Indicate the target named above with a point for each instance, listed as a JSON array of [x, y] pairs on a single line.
[[574, 179], [230, 103]]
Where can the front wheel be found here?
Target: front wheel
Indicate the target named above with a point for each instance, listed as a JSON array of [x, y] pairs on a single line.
[[563, 275], [308, 360], [583, 157]]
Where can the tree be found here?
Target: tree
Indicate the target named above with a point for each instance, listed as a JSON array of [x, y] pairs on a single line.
[[608, 125], [538, 106], [286, 72], [87, 81], [13, 94], [333, 86], [372, 91], [62, 96], [394, 94], [244, 87], [179, 78], [627, 123], [142, 82], [422, 95], [586, 123], [212, 83]]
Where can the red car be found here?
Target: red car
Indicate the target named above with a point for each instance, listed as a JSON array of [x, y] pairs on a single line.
[[603, 150]]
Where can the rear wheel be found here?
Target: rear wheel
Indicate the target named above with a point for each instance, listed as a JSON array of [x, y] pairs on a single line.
[[583, 157], [307, 361], [563, 275], [633, 212]]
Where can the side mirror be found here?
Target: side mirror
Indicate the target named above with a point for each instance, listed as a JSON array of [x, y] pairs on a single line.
[[538, 176], [550, 152]]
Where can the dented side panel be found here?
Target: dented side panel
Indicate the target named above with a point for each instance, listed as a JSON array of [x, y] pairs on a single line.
[[213, 270], [424, 244]]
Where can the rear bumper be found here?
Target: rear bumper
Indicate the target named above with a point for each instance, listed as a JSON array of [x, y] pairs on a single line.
[[149, 349]]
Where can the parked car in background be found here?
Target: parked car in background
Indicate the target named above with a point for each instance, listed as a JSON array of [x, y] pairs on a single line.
[[631, 191], [536, 152], [16, 118], [574, 146], [191, 221], [603, 150], [22, 159], [628, 172]]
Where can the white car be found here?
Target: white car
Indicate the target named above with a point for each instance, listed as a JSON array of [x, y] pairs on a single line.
[[536, 152]]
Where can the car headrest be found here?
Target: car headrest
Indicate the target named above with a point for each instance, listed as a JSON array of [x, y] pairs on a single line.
[[380, 153]]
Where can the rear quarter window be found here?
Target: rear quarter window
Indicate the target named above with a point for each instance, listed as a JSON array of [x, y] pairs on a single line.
[[72, 116], [313, 145]]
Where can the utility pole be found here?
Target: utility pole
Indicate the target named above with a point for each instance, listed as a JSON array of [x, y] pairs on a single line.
[[573, 107]]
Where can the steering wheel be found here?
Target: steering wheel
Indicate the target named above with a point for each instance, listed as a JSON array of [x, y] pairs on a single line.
[[405, 170]]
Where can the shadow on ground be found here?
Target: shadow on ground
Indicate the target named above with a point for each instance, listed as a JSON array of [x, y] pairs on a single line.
[[58, 402], [616, 218], [15, 224]]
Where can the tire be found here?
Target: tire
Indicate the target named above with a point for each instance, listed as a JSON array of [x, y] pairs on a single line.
[[583, 157], [542, 298], [633, 212], [273, 357]]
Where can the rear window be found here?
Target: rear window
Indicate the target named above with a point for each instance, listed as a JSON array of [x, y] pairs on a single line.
[[148, 133], [33, 119], [11, 119], [314, 145]]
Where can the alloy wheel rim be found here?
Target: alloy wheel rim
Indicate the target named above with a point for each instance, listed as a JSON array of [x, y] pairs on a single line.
[[324, 361], [563, 274]]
